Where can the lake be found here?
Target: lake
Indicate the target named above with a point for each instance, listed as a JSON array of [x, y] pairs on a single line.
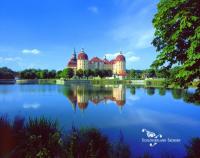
[[137, 113]]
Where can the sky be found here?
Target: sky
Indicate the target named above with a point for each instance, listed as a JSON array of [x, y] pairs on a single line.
[[43, 33]]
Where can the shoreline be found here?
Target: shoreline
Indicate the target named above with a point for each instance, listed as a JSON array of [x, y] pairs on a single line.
[[156, 83]]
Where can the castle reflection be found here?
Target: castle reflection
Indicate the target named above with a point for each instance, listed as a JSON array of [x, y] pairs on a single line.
[[80, 95]]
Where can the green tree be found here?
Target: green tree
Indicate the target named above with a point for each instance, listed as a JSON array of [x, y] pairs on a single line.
[[52, 74], [87, 73], [59, 74], [6, 73], [69, 73], [132, 74], [177, 38], [64, 73], [193, 148], [79, 73]]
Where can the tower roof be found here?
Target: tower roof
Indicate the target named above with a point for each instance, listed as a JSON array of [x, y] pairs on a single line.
[[120, 57], [95, 59], [82, 55]]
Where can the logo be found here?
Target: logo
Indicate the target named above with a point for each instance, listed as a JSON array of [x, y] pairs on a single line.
[[153, 139]]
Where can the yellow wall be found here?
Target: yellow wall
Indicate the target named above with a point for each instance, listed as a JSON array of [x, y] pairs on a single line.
[[82, 64], [119, 66]]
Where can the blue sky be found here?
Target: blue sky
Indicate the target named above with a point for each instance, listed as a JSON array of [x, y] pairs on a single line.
[[43, 33]]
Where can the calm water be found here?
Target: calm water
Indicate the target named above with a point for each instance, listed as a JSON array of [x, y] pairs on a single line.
[[112, 109]]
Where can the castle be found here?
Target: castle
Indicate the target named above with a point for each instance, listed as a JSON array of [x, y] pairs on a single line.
[[117, 65]]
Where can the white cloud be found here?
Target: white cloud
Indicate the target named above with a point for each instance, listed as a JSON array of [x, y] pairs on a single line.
[[130, 56], [133, 28], [32, 106], [111, 55], [9, 59], [93, 9], [144, 41], [31, 51]]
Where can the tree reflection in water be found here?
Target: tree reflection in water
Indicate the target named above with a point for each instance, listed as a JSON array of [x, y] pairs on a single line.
[[80, 94]]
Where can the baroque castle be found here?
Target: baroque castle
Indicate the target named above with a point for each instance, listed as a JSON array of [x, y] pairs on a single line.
[[117, 65]]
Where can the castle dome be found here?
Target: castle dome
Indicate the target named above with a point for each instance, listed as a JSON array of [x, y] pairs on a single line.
[[82, 55], [95, 59], [120, 58]]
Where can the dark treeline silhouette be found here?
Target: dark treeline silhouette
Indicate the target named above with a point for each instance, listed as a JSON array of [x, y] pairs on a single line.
[[6, 73], [42, 138]]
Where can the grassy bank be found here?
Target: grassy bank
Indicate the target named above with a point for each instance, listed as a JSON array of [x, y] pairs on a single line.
[[36, 81], [7, 81], [155, 83], [109, 81]]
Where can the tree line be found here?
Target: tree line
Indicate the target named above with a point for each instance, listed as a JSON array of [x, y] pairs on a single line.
[[153, 73], [6, 73]]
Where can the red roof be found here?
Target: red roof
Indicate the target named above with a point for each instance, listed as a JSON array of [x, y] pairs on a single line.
[[72, 63], [106, 61], [82, 105], [120, 102], [82, 56], [120, 58], [112, 61], [95, 59]]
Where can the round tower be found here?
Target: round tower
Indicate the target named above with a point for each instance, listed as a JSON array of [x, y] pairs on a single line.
[[82, 62], [120, 64]]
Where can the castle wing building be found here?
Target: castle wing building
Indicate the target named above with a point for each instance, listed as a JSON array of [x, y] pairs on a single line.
[[117, 65]]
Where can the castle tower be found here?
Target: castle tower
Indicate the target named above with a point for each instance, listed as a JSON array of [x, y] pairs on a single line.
[[82, 62], [73, 61], [119, 67]]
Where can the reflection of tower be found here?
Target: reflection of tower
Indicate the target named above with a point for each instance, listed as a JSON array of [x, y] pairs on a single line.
[[82, 97], [70, 92], [119, 93]]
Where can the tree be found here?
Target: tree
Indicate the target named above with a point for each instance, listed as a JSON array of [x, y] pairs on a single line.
[[177, 38], [69, 72], [87, 73], [193, 148], [52, 74], [132, 74], [151, 73], [28, 74], [79, 73], [6, 73], [59, 74]]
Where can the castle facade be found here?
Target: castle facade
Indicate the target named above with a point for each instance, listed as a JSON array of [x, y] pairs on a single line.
[[117, 65]]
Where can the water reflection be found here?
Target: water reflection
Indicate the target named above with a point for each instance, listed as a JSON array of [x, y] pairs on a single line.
[[187, 95], [81, 94]]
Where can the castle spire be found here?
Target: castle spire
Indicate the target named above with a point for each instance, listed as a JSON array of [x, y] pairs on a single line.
[[82, 49], [120, 51], [74, 54]]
